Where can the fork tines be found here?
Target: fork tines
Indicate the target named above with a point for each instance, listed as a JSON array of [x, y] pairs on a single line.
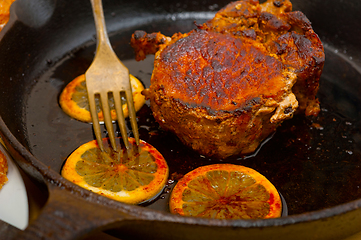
[[107, 74], [103, 93]]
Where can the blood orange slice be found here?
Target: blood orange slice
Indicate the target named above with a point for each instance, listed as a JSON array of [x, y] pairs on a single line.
[[131, 176], [225, 191], [74, 100]]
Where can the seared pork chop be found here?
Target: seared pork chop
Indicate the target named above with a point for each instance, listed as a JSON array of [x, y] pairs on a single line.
[[226, 86]]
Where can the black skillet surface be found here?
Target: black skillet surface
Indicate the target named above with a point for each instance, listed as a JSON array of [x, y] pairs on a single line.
[[314, 163]]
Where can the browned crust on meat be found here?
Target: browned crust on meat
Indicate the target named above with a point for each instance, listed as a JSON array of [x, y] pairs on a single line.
[[286, 34], [215, 135], [224, 87], [144, 44], [218, 72]]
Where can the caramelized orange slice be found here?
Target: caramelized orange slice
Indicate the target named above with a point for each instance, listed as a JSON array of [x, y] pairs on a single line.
[[74, 100], [5, 12], [3, 169], [225, 191], [131, 176]]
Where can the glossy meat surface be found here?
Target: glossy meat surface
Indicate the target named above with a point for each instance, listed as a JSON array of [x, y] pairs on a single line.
[[225, 86], [213, 71]]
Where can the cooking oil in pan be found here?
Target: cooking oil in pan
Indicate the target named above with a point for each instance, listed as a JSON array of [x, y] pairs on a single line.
[[313, 162]]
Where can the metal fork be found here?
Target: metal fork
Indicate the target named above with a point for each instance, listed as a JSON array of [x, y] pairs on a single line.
[[107, 74]]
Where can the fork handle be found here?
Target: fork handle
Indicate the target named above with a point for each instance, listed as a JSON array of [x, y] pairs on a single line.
[[100, 26]]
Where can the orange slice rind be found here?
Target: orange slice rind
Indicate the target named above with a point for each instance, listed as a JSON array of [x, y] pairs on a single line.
[[127, 176], [3, 169], [225, 191], [74, 100]]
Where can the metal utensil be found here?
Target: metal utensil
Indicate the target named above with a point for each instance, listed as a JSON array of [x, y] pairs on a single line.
[[107, 75]]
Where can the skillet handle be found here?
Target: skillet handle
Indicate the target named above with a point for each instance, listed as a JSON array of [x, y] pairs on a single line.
[[67, 216]]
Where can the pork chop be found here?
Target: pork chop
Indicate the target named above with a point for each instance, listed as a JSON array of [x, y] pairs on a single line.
[[227, 85]]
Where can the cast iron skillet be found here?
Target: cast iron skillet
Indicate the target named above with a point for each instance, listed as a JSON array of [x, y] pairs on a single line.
[[48, 42]]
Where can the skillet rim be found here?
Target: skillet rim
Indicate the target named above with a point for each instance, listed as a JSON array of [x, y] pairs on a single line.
[[52, 177]]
